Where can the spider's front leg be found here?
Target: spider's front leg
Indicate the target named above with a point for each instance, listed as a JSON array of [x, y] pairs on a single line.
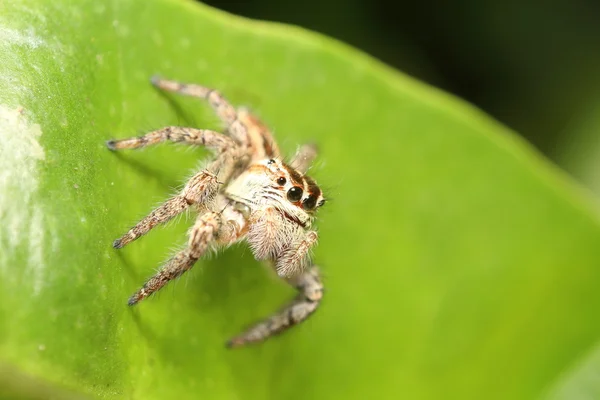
[[308, 283], [206, 229], [203, 186]]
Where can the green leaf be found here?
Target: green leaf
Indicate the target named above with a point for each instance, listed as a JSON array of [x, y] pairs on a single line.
[[458, 263]]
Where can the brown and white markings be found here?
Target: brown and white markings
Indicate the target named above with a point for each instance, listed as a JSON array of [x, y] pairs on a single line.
[[245, 193]]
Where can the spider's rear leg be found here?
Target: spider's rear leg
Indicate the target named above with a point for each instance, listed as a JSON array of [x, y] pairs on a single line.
[[224, 110], [309, 297], [200, 189], [177, 134], [202, 234]]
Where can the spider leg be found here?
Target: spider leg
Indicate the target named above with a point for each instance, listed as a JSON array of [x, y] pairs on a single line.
[[293, 260], [177, 134], [304, 157], [200, 189], [309, 297], [201, 236], [224, 110], [259, 135], [289, 265]]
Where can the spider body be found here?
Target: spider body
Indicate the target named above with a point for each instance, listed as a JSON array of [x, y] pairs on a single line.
[[245, 193]]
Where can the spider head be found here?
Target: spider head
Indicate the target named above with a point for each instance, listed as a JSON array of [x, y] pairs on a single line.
[[272, 182], [300, 190]]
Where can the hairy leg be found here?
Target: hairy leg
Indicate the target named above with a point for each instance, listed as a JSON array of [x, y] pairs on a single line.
[[177, 134], [309, 297], [224, 110], [290, 265], [261, 140], [201, 236], [294, 259], [200, 189]]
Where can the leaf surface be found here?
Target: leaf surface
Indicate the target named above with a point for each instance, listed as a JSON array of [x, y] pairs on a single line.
[[458, 263]]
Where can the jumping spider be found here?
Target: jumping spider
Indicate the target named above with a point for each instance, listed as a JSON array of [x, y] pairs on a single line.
[[246, 193]]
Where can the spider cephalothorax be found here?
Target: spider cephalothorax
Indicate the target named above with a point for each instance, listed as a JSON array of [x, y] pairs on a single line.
[[274, 183], [246, 193]]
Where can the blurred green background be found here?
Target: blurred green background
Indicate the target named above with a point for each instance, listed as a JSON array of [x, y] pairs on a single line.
[[533, 65], [473, 274]]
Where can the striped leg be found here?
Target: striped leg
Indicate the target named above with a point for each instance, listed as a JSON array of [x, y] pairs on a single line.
[[294, 259], [177, 134], [224, 110], [201, 236], [309, 297], [203, 186]]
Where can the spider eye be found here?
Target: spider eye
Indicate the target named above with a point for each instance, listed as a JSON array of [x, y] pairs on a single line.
[[281, 181], [309, 203], [271, 161], [295, 193]]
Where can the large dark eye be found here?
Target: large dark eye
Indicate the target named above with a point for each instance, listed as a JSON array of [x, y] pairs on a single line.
[[309, 203], [281, 181], [294, 194]]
